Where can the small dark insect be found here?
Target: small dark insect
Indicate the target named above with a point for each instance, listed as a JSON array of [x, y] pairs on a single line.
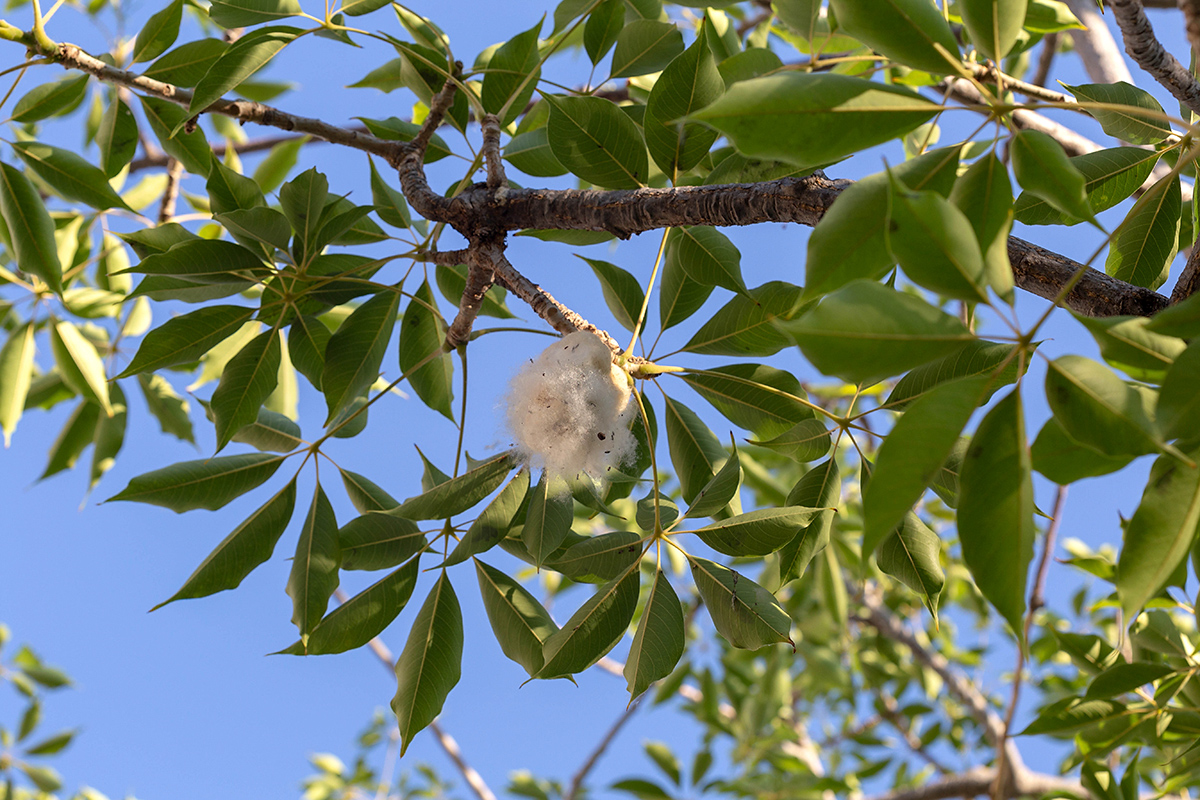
[[600, 436]]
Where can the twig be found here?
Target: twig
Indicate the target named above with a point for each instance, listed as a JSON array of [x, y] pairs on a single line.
[[1045, 59], [480, 276], [1097, 49], [1035, 89], [578, 778], [1150, 55], [171, 192], [470, 775], [979, 781], [1037, 600]]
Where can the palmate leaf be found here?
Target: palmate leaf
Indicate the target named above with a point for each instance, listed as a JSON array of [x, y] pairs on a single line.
[[821, 488], [1147, 240], [70, 175], [207, 483], [361, 618], [695, 451], [513, 67], [1160, 533], [813, 118], [186, 64], [75, 436], [1043, 169], [51, 98], [935, 245], [1063, 460], [679, 296], [80, 364], [622, 292], [707, 256], [250, 544], [241, 13], [995, 510], [1099, 409], [645, 46], [599, 559], [376, 540], [365, 494], [1127, 124], [804, 441], [984, 195], [593, 630], [1128, 344], [158, 33], [109, 436], [690, 82], [597, 141], [659, 641], [431, 662], [185, 338], [994, 25], [753, 396], [16, 373], [457, 494], [719, 491], [519, 621], [421, 335], [746, 614], [1109, 176], [979, 357], [756, 533], [314, 574], [30, 229], [912, 555], [116, 137], [913, 452], [247, 380], [746, 325], [494, 523], [548, 519], [168, 121], [912, 32], [355, 351]]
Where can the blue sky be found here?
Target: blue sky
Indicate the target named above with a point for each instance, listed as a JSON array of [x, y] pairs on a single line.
[[183, 703]]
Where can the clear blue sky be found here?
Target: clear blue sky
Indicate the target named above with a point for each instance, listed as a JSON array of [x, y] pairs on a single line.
[[183, 703]]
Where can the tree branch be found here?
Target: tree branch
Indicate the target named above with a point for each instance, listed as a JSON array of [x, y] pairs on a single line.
[[1189, 279], [1098, 50], [980, 781], [1045, 59], [1148, 52], [1191, 23]]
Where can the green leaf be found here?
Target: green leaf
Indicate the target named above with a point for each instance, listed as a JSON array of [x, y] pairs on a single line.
[[979, 357], [401, 130], [1178, 409], [421, 335], [158, 33], [207, 483], [377, 540], [603, 26], [273, 169], [109, 437], [169, 123], [935, 245], [243, 13], [622, 292], [44, 778], [866, 331], [1122, 678], [912, 555], [707, 257], [746, 614], [250, 544], [1109, 177], [593, 630], [55, 744], [530, 152], [753, 396], [548, 520], [187, 64], [75, 436], [363, 617], [80, 364], [1043, 170], [1161, 533], [1098, 409], [813, 118], [695, 451], [821, 488], [1127, 344], [757, 533], [994, 25], [1126, 123], [431, 663], [806, 440], [314, 574], [984, 195], [458, 494], [494, 523], [850, 240], [231, 191], [49, 99], [645, 46], [518, 620], [390, 204], [117, 137], [599, 559], [70, 175], [16, 373], [30, 229], [659, 641], [995, 510], [1147, 240], [719, 492], [184, 339], [1063, 460], [364, 494], [248, 379], [355, 351], [912, 32], [748, 325], [679, 296], [597, 141], [689, 83], [913, 453], [512, 74]]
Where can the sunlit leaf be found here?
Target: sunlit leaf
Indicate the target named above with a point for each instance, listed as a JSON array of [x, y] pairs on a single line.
[[206, 483], [659, 641], [314, 574], [431, 662], [592, 630], [746, 614], [519, 621]]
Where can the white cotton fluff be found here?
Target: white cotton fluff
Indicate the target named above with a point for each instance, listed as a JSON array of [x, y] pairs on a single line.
[[568, 410]]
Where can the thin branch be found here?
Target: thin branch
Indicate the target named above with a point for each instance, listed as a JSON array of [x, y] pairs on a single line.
[[1150, 55], [470, 775], [491, 153], [171, 192], [1035, 89], [480, 276], [1073, 143], [1045, 59], [579, 777], [1037, 599], [1097, 49]]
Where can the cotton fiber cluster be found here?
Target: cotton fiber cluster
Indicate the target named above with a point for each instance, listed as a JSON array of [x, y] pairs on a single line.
[[569, 409]]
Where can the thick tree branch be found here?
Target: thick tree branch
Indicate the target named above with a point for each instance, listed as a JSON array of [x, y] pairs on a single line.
[[1191, 23], [980, 781], [1098, 50], [1189, 279], [1044, 273], [1150, 55]]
